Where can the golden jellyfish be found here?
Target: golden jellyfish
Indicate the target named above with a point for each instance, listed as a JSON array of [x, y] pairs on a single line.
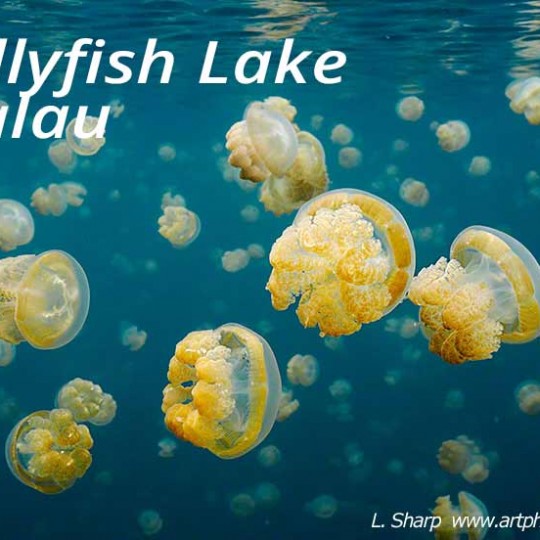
[[48, 451], [287, 405], [524, 96], [224, 390], [88, 145], [235, 260], [342, 135], [150, 522], [528, 397], [16, 225], [453, 136], [269, 456], [414, 192], [131, 337], [349, 157], [179, 226], [44, 299], [348, 255], [56, 198], [87, 402], [302, 370], [62, 156], [480, 166], [487, 294], [410, 108], [323, 506], [167, 152], [7, 353], [463, 456], [468, 518]]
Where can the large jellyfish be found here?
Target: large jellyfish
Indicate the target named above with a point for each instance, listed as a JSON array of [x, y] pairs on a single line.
[[463, 456], [348, 255], [48, 451], [87, 402], [16, 225], [55, 198], [488, 293], [44, 299], [224, 390]]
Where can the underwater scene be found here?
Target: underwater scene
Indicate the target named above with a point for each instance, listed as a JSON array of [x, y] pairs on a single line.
[[272, 270]]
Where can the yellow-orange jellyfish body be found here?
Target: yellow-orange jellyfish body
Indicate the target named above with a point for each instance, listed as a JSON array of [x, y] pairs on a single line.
[[89, 145], [463, 456], [16, 225], [224, 390], [348, 255], [48, 451], [179, 226], [44, 299], [488, 293]]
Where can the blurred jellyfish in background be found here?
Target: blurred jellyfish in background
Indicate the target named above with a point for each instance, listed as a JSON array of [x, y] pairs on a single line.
[[178, 225], [235, 260], [131, 337], [527, 396], [405, 327], [167, 152], [524, 96], [348, 255], [342, 135], [62, 156], [9, 410], [269, 456], [487, 294], [316, 122], [399, 146], [87, 402], [55, 199], [242, 505], [48, 451], [288, 405], [89, 145], [302, 370], [167, 447], [266, 495], [322, 507], [250, 213], [453, 136], [472, 510], [256, 251], [414, 192], [480, 166], [349, 157], [410, 108], [150, 522], [463, 456], [341, 391], [7, 353], [434, 234], [117, 108], [454, 400], [16, 225], [224, 390], [44, 299], [395, 467]]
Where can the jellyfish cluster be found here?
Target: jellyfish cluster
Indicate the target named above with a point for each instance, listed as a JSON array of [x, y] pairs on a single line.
[[55, 199]]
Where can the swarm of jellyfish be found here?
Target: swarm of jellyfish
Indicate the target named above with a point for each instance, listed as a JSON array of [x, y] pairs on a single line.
[[463, 456], [527, 396], [44, 299], [16, 225], [485, 295], [88, 145], [350, 258], [55, 199], [453, 135], [302, 370], [177, 224], [267, 147], [524, 96], [410, 108], [224, 390]]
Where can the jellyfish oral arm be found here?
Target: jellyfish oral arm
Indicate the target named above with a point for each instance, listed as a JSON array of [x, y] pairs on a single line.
[[288, 65]]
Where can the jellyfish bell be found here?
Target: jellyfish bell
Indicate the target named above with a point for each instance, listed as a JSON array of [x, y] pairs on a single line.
[[527, 396], [472, 507], [44, 299], [89, 145], [16, 225]]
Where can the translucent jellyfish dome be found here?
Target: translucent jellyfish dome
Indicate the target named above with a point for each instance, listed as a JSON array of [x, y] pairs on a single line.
[[44, 299], [348, 255], [527, 396], [16, 225], [7, 353], [88, 145], [302, 370], [224, 390]]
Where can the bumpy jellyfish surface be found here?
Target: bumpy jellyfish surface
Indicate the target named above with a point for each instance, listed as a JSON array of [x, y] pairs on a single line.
[[528, 397], [16, 225], [7, 353], [453, 136], [87, 402], [463, 456], [88, 145], [470, 509], [224, 390], [348, 255], [488, 293], [44, 299], [265, 142], [524, 96], [179, 226], [48, 451], [302, 370], [55, 199]]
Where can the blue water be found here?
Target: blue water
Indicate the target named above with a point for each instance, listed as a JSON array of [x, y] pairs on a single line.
[[459, 56]]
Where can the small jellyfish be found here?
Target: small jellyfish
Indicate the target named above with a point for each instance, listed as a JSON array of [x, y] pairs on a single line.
[[316, 122], [399, 146], [150, 522], [256, 251], [524, 96], [168, 199], [16, 225], [287, 405], [414, 192], [480, 166], [250, 213], [323, 506], [349, 255], [487, 294], [454, 400], [62, 156], [235, 260], [224, 390], [302, 370], [471, 512], [342, 135], [7, 353], [167, 152], [44, 299], [87, 146], [117, 108], [405, 327], [87, 402], [131, 337], [179, 226], [453, 136], [528, 397], [48, 451], [269, 456], [349, 157], [167, 447], [395, 467], [410, 108], [242, 505], [267, 495], [56, 198], [340, 389], [463, 456]]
